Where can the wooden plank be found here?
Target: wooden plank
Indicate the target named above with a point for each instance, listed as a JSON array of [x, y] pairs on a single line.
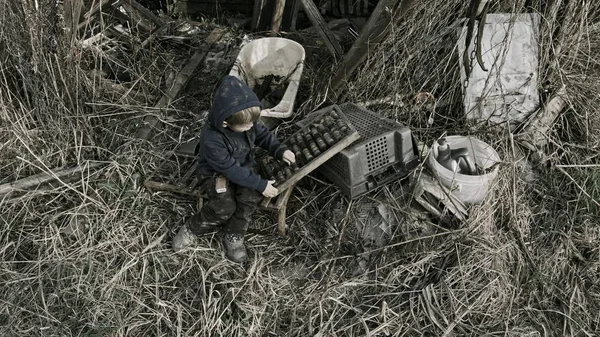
[[72, 9], [91, 14], [156, 33], [257, 13], [95, 8], [136, 18], [44, 177], [437, 199], [157, 186], [264, 11], [281, 205], [333, 24], [277, 15], [181, 81], [290, 17], [317, 20], [376, 29], [534, 135], [215, 8], [190, 172], [132, 4]]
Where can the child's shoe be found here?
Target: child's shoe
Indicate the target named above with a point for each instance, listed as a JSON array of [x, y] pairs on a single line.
[[184, 239], [235, 250], [198, 227]]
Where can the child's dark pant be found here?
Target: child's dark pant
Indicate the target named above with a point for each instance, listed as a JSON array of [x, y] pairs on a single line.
[[232, 209]]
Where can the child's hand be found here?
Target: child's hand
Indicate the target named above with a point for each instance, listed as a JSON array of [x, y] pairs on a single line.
[[289, 157], [270, 191]]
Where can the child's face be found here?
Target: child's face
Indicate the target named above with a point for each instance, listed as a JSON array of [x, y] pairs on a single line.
[[238, 127]]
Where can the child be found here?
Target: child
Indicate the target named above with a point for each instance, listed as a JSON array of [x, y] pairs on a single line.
[[226, 151]]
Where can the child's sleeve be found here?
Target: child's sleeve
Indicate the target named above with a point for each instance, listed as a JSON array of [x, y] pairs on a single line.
[[268, 141], [219, 158]]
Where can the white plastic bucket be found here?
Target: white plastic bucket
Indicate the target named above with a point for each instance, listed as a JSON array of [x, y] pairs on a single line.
[[470, 189], [272, 56]]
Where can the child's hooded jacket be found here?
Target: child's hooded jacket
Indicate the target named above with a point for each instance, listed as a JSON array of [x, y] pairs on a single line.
[[231, 153]]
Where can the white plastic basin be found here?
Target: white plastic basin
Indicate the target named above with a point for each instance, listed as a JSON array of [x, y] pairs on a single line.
[[272, 56], [470, 189]]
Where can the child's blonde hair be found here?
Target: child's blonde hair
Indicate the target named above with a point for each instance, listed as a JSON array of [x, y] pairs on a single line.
[[245, 116]]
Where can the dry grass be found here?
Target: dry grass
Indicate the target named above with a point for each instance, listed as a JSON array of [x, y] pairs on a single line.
[[91, 256]]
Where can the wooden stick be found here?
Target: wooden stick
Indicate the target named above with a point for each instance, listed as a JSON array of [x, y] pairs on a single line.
[[577, 166], [95, 8], [282, 206], [535, 133], [137, 18], [181, 81], [157, 186], [132, 4], [579, 186], [72, 9], [89, 16], [44, 177], [156, 33], [317, 20], [376, 29], [333, 24], [259, 6], [277, 15], [294, 14]]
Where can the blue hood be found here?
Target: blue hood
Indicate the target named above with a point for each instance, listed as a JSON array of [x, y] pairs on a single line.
[[232, 96]]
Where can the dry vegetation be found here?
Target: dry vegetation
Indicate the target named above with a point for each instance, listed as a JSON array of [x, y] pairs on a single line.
[[90, 256]]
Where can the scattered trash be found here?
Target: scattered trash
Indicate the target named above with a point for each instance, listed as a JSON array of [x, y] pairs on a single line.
[[385, 153], [375, 221], [470, 189], [455, 160], [270, 90], [439, 200], [212, 60], [77, 225]]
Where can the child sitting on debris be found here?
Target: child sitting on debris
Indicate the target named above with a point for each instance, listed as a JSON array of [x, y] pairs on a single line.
[[227, 170]]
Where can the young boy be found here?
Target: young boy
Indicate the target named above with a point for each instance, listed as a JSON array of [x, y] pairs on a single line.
[[226, 152]]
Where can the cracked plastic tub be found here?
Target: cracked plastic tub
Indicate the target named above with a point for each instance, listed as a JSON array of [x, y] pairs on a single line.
[[276, 56]]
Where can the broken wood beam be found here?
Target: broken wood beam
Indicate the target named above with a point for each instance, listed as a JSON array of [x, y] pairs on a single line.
[[132, 5], [44, 177], [156, 33], [274, 15], [95, 8], [277, 15], [158, 186], [535, 134], [289, 22], [181, 81], [72, 13], [317, 20], [333, 25], [281, 206], [90, 15], [128, 13], [375, 31], [259, 6]]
